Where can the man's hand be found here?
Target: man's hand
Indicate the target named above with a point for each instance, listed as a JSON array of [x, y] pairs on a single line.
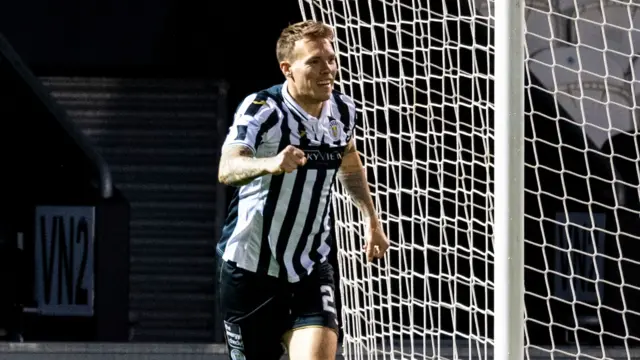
[[376, 243], [288, 160]]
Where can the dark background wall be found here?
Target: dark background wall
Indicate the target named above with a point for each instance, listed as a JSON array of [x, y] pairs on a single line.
[[232, 40], [196, 43]]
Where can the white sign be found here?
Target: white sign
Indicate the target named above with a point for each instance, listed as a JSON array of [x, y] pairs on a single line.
[[64, 258], [580, 264]]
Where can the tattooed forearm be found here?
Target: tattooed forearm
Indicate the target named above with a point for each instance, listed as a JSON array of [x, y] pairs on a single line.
[[238, 166], [353, 177]]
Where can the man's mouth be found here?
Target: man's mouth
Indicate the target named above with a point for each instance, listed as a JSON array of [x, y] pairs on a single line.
[[324, 83]]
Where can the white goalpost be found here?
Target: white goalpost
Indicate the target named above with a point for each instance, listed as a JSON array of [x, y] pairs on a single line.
[[500, 144], [508, 176]]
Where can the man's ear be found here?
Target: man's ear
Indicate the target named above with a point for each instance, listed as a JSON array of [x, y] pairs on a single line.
[[285, 67]]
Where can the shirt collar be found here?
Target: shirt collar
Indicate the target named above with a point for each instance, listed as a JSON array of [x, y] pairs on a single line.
[[293, 105]]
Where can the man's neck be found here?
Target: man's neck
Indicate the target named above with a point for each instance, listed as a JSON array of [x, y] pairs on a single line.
[[312, 108]]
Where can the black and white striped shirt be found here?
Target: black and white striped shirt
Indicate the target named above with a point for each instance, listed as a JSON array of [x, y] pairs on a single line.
[[279, 225]]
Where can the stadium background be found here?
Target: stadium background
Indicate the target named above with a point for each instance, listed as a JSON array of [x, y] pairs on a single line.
[[151, 85]]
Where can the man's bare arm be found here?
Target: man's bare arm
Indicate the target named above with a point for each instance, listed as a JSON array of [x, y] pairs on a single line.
[[352, 175], [239, 167]]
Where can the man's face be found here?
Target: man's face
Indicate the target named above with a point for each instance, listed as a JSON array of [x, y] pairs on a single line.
[[313, 69]]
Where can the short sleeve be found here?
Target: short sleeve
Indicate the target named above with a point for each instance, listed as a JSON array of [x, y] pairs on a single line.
[[255, 115]]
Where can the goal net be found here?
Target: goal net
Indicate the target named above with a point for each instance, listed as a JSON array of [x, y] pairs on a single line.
[[421, 73]]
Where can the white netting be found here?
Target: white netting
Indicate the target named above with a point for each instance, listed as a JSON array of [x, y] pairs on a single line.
[[420, 72]]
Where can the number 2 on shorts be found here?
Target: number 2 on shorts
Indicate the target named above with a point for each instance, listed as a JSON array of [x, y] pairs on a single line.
[[328, 303]]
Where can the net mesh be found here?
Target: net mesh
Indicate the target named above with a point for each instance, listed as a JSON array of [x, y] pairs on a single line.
[[421, 75]]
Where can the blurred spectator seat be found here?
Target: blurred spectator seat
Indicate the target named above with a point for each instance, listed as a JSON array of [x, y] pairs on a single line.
[[607, 26], [589, 86]]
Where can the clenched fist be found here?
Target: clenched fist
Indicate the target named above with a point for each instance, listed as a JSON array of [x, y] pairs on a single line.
[[287, 160]]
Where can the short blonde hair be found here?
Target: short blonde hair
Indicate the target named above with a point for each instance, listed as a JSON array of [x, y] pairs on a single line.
[[303, 30]]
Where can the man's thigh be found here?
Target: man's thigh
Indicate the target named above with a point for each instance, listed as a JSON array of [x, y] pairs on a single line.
[[254, 313], [312, 343], [314, 333]]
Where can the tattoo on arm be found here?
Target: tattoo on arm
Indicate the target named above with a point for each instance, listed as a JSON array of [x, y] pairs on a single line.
[[239, 167], [352, 176], [351, 148]]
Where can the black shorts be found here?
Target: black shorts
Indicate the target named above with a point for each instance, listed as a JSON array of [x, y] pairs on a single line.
[[258, 310]]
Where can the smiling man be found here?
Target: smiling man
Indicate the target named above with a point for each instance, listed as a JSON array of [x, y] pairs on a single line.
[[283, 153]]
